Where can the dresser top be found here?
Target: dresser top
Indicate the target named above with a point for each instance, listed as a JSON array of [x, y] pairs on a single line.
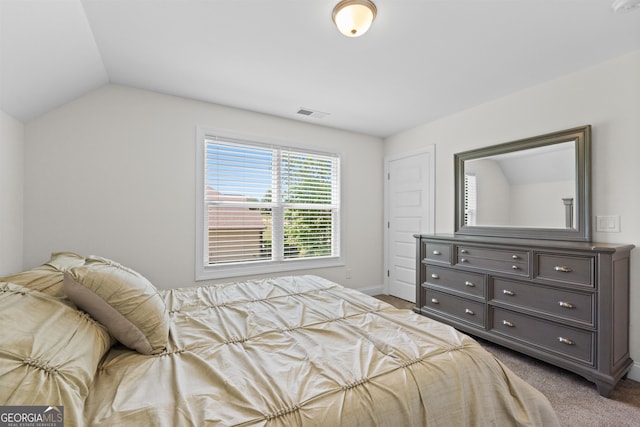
[[517, 242]]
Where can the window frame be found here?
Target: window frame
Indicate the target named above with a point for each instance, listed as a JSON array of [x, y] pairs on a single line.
[[204, 271]]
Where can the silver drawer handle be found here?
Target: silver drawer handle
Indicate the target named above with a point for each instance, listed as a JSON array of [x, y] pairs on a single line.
[[437, 253], [515, 257], [562, 269], [515, 267], [466, 310], [469, 284], [507, 323], [435, 276], [508, 292], [566, 341], [435, 301], [566, 304], [464, 251], [463, 260]]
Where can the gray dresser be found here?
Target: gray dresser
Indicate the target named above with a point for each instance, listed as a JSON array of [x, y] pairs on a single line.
[[566, 303]]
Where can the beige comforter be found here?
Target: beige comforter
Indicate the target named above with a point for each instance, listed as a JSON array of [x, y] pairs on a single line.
[[305, 351]]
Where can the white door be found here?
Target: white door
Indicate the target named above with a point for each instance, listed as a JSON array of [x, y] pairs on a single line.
[[409, 210]]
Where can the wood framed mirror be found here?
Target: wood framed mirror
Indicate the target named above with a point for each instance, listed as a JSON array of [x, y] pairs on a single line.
[[535, 188]]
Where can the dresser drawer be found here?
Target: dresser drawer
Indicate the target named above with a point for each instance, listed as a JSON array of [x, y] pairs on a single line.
[[438, 252], [493, 254], [565, 340], [460, 308], [511, 267], [578, 270], [558, 302], [461, 281]]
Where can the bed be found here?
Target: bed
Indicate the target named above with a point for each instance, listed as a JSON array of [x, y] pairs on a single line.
[[287, 351]]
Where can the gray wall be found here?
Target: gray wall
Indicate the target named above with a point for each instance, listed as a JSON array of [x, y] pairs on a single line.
[[112, 174], [11, 193]]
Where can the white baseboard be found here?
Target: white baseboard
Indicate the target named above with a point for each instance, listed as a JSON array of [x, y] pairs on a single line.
[[634, 372], [376, 290]]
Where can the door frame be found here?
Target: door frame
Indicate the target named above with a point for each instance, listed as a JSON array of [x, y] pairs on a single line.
[[431, 150]]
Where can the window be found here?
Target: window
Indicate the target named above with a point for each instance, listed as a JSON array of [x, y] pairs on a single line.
[[470, 199], [264, 207]]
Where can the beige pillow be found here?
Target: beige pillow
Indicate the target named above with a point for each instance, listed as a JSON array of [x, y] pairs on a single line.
[[49, 352], [48, 277], [63, 261], [122, 300]]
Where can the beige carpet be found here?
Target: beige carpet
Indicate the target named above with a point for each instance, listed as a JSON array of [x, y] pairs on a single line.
[[575, 399]]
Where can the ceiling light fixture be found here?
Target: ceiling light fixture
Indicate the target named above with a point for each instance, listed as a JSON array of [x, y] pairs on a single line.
[[354, 17]]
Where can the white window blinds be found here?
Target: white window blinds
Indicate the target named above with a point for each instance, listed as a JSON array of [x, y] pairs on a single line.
[[470, 199], [268, 204]]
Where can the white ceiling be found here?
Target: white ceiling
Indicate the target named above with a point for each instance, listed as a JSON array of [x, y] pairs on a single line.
[[421, 60]]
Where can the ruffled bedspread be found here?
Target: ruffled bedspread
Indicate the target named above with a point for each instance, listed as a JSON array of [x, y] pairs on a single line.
[[305, 351]]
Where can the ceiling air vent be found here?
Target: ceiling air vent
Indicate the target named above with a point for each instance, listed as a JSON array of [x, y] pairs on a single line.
[[311, 113]]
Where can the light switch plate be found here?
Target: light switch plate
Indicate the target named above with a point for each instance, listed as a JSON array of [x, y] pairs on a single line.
[[608, 223]]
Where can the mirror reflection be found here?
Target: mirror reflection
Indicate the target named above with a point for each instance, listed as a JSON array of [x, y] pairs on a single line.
[[527, 188], [536, 188]]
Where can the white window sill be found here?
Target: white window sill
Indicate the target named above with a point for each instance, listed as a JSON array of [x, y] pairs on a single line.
[[267, 267]]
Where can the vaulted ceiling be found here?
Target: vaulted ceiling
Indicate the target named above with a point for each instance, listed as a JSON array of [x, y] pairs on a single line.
[[421, 60]]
